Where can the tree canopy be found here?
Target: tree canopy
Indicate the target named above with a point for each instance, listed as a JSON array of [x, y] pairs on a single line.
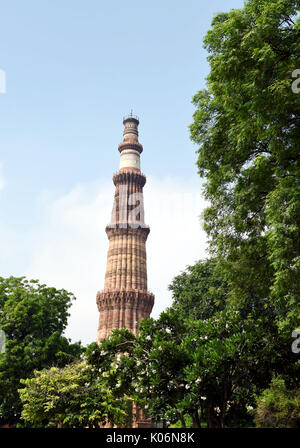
[[247, 123], [202, 360], [200, 290], [33, 318], [72, 396], [278, 406]]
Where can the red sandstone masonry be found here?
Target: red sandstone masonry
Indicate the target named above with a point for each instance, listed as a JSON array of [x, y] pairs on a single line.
[[125, 299]]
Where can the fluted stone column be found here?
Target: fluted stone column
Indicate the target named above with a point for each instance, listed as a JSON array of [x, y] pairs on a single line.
[[125, 299]]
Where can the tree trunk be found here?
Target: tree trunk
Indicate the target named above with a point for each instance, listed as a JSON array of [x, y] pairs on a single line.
[[181, 417], [210, 416], [196, 419]]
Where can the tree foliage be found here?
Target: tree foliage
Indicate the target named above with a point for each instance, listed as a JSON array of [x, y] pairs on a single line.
[[33, 317], [200, 290], [278, 406], [203, 360], [72, 396], [178, 368], [247, 123]]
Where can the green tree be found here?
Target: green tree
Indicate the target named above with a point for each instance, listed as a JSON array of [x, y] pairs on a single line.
[[72, 396], [206, 371], [247, 124], [200, 291], [278, 406], [33, 318], [203, 360]]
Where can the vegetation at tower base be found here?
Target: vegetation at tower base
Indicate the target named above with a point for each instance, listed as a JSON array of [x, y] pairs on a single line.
[[176, 369], [265, 351], [247, 123], [33, 317], [72, 396], [205, 367], [278, 407]]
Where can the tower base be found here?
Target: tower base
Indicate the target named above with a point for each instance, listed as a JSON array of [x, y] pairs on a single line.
[[119, 309]]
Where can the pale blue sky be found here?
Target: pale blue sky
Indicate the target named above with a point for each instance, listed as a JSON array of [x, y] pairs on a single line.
[[73, 69]]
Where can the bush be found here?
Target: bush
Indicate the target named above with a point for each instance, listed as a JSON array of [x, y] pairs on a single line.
[[278, 407]]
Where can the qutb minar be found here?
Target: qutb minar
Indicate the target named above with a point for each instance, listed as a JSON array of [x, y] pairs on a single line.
[[125, 299]]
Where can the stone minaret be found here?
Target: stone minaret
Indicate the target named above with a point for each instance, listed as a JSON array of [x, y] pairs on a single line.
[[125, 299]]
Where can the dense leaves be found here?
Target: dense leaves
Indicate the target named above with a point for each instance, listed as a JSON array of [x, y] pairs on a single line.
[[73, 396], [278, 407], [247, 124], [203, 360], [33, 318], [200, 290]]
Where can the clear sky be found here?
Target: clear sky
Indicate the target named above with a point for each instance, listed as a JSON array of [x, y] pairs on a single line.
[[73, 69]]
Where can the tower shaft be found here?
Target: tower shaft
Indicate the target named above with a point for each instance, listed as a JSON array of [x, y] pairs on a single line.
[[125, 300]]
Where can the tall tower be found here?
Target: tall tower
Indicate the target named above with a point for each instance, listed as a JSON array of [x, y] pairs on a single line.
[[125, 299]]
